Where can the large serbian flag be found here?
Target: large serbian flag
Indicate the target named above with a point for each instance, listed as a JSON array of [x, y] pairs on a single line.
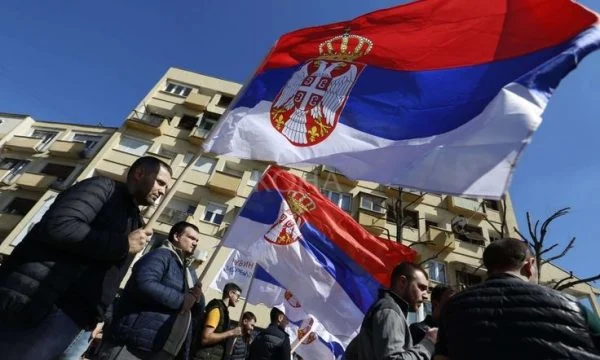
[[437, 95], [315, 250]]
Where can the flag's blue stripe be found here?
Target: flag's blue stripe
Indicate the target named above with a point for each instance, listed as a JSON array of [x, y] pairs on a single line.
[[261, 274], [401, 105], [361, 287]]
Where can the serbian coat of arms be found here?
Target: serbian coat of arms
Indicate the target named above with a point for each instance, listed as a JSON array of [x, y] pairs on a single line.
[[307, 109]]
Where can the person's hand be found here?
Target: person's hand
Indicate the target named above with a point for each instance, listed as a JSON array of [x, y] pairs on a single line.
[[237, 331], [432, 334], [197, 291], [97, 332], [138, 239], [188, 302]]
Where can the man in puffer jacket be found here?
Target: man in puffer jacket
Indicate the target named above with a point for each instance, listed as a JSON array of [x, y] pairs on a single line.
[[509, 316], [153, 317], [273, 343], [60, 280]]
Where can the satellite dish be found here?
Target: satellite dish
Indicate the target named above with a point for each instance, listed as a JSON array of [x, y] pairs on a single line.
[[458, 224]]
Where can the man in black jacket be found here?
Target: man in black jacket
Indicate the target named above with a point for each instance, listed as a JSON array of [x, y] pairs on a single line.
[[273, 343], [237, 348], [509, 316], [62, 277]]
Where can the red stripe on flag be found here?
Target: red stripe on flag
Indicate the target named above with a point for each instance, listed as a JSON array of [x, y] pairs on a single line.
[[377, 257], [440, 34]]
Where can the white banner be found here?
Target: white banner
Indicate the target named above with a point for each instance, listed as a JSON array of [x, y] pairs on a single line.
[[237, 269]]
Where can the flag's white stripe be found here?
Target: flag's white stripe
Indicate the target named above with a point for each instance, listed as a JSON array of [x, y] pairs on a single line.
[[292, 266], [477, 153]]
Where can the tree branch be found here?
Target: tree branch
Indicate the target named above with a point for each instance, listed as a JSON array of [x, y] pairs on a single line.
[[576, 282], [561, 281], [503, 224], [548, 249], [569, 246]]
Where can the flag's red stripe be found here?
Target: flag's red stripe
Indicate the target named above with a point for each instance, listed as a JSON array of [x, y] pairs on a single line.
[[375, 256], [439, 34]]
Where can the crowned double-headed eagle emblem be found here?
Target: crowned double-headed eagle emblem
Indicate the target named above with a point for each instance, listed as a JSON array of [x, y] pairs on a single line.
[[286, 229], [307, 109]]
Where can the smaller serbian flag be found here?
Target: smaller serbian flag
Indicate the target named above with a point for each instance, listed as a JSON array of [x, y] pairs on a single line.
[[435, 95], [314, 249]]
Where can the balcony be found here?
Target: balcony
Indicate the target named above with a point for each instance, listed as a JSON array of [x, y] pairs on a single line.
[[197, 135], [224, 183], [197, 101], [69, 149], [9, 221], [373, 222], [35, 182], [23, 143], [468, 208], [329, 173], [150, 123], [172, 216], [438, 239]]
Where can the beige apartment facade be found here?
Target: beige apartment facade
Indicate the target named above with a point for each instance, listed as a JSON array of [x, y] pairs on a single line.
[[172, 121]]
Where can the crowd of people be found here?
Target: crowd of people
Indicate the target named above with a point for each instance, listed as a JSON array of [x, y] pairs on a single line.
[[58, 291]]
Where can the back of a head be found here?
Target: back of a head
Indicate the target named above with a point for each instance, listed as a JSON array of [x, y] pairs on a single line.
[[274, 315], [507, 254], [438, 292]]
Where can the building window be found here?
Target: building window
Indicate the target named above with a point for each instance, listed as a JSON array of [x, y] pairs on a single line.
[[230, 169], [494, 235], [225, 101], [372, 203], [90, 141], [254, 177], [430, 223], [471, 234], [46, 136], [19, 206], [187, 122], [15, 168], [342, 200], [62, 172], [204, 165], [411, 219], [169, 154], [491, 204], [177, 210], [133, 146], [177, 89], [436, 271], [465, 279], [214, 213]]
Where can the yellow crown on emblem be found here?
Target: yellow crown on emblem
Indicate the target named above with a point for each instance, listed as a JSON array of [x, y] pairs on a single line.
[[300, 202], [345, 47]]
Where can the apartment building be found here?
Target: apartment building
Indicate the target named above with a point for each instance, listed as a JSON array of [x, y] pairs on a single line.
[[172, 121], [38, 159]]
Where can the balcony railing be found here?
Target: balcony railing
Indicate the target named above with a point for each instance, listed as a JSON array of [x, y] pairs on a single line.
[[469, 208], [71, 149], [24, 144], [224, 183], [151, 123], [172, 216], [35, 182]]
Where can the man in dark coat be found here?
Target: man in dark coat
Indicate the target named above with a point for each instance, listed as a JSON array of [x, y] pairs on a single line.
[[237, 348], [214, 331], [62, 277], [509, 316], [439, 295], [273, 343], [157, 302]]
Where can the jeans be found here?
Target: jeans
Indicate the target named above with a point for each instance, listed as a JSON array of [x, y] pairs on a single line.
[[46, 341], [78, 347]]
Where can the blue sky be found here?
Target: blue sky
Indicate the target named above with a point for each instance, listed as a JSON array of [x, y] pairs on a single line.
[[91, 62]]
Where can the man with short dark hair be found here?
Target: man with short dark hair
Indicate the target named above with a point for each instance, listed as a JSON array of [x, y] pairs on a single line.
[[439, 296], [237, 347], [157, 302], [214, 332], [62, 277], [273, 343], [509, 316], [385, 334]]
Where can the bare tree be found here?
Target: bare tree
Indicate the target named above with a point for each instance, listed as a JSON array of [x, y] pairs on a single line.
[[540, 250]]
